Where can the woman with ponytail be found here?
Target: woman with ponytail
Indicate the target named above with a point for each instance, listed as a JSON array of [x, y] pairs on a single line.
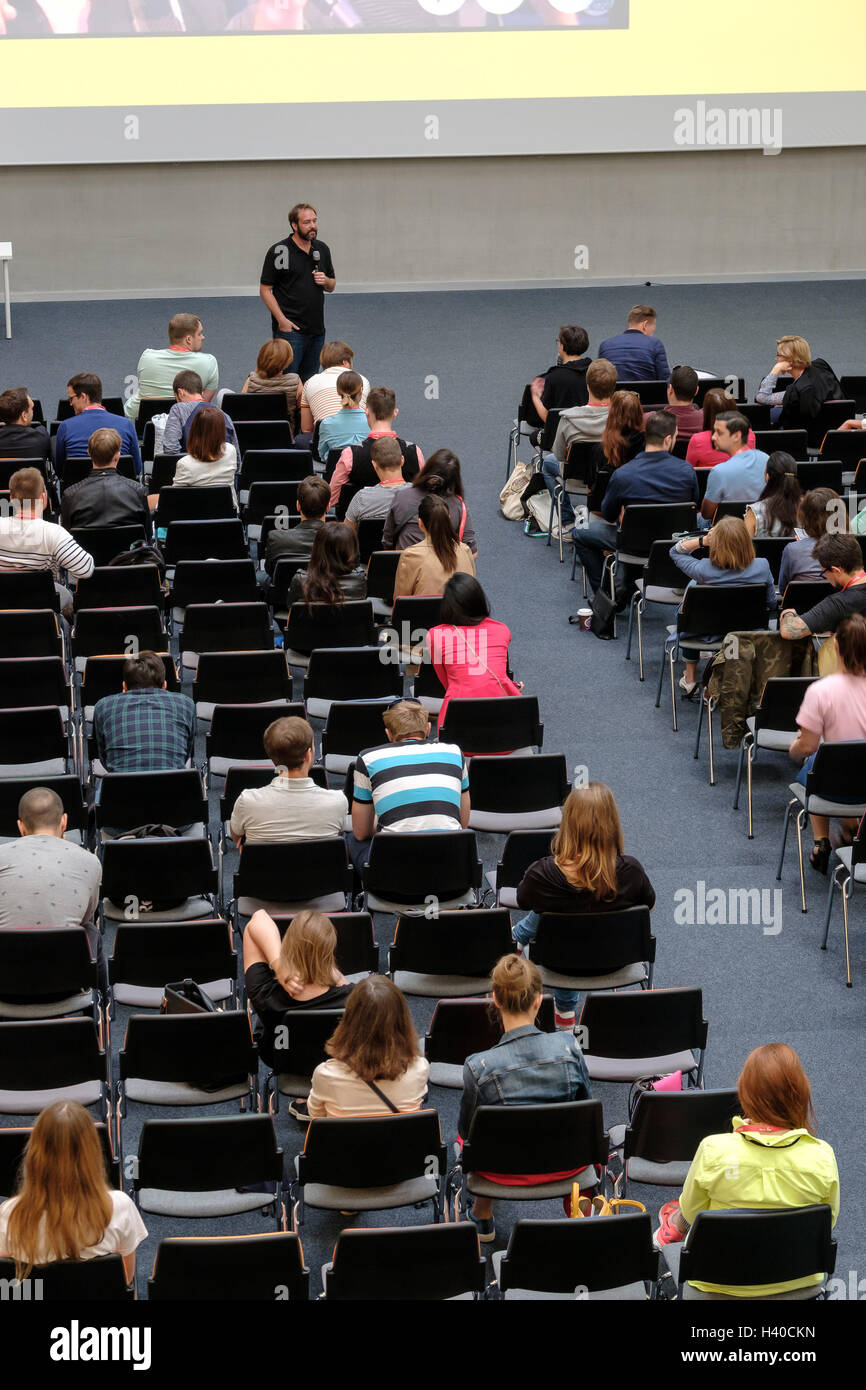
[[349, 425], [441, 477], [775, 512], [426, 567], [834, 710]]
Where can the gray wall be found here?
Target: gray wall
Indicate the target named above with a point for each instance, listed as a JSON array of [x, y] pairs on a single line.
[[116, 230]]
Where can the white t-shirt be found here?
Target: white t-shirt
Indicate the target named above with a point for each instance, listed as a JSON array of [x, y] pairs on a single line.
[[123, 1234], [289, 808], [321, 395]]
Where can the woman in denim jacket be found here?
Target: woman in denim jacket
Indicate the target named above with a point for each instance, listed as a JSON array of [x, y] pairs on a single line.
[[526, 1067]]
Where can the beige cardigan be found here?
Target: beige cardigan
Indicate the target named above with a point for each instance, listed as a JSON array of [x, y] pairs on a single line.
[[421, 572]]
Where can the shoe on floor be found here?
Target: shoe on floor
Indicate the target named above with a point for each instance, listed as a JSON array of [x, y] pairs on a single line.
[[564, 531], [298, 1109], [485, 1228], [563, 1020], [687, 687], [667, 1233]]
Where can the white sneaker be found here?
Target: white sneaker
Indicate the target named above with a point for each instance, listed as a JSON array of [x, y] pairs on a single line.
[[687, 687], [563, 531]]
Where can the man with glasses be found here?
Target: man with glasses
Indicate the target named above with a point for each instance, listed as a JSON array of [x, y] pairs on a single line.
[[84, 393], [841, 561]]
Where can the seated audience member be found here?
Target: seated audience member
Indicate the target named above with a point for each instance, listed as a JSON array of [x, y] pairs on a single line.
[[526, 1067], [440, 476], [841, 561], [740, 477], [209, 461], [855, 424], [771, 1158], [701, 452], [583, 423], [105, 497], [468, 648], [587, 872], [272, 376], [333, 574], [775, 512], [564, 384], [407, 784], [354, 468], [84, 393], [19, 437], [813, 515], [814, 382], [731, 560], [296, 542], [637, 353], [833, 710], [188, 401], [319, 395], [681, 391], [349, 425], [147, 728], [374, 1064], [29, 542], [158, 367], [46, 880], [425, 568], [622, 440], [654, 475], [63, 1208], [299, 972], [373, 503], [292, 807]]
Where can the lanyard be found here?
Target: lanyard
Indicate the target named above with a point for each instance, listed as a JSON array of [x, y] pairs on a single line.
[[856, 580]]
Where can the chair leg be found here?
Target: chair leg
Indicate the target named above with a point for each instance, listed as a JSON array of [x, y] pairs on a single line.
[[740, 760], [834, 884], [710, 736], [631, 609], [640, 638], [750, 758], [700, 726], [801, 819], [661, 673], [788, 809], [673, 685], [846, 887]]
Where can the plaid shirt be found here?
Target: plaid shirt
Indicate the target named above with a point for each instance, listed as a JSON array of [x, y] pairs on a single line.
[[144, 730]]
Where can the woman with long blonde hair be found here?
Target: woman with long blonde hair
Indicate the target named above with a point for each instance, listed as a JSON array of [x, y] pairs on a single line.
[[586, 872], [299, 971], [64, 1208]]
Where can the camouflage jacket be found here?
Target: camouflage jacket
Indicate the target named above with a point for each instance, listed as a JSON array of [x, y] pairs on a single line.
[[740, 671]]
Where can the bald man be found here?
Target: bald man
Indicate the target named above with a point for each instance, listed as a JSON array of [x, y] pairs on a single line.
[[45, 880]]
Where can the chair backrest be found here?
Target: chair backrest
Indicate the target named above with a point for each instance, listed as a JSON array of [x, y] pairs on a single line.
[[771, 549], [580, 461], [356, 952], [266, 465], [855, 388], [132, 868], [100, 1280], [407, 867], [381, 574], [803, 594], [730, 508], [37, 963], [757, 414], [104, 542], [153, 955], [566, 1256], [256, 405], [384, 1150], [759, 1247], [263, 434], [460, 1027], [645, 522], [781, 699], [518, 786], [597, 943], [29, 589], [75, 470], [194, 504], [648, 392], [115, 586], [201, 1049], [13, 1142], [205, 540], [299, 1046], [414, 1263], [521, 848], [711, 608], [149, 406], [33, 680], [352, 726], [793, 442], [668, 1126], [643, 1023], [240, 678], [221, 1267], [660, 570], [347, 624], [820, 473], [347, 673], [68, 788], [295, 871], [554, 1137], [413, 615], [703, 476], [212, 581], [272, 498], [831, 416], [839, 772], [103, 675], [493, 726], [847, 445], [236, 731], [226, 627], [113, 404], [30, 632], [50, 1054], [454, 943], [164, 469], [104, 631], [370, 531], [129, 799], [208, 1155], [33, 735]]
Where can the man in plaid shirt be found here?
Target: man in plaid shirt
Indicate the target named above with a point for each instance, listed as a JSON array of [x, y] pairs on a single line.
[[147, 728]]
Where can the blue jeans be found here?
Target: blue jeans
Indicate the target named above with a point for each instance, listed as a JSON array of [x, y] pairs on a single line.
[[591, 542], [305, 349], [552, 476], [524, 932]]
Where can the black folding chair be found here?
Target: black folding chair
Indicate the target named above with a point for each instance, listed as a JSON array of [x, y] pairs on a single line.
[[230, 1268], [834, 787], [420, 1263], [450, 955], [494, 726], [772, 726], [754, 1248], [708, 612], [584, 1260]]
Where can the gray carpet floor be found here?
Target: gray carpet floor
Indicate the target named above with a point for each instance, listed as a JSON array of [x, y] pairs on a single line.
[[458, 362]]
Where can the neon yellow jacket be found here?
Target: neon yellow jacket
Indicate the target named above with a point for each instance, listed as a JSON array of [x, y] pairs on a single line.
[[754, 1170]]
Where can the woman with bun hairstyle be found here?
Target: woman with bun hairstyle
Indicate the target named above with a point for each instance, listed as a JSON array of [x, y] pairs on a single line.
[[441, 476]]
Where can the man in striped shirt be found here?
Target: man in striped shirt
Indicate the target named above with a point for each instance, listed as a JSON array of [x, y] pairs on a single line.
[[28, 542], [407, 784]]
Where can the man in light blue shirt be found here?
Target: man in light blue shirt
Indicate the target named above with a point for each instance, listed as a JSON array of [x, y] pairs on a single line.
[[739, 478]]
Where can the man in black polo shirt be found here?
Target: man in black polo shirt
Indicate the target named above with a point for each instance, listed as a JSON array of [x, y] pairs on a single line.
[[564, 384], [296, 276], [19, 437], [841, 561]]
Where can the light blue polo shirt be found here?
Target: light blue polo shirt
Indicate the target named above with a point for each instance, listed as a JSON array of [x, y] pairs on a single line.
[[739, 478]]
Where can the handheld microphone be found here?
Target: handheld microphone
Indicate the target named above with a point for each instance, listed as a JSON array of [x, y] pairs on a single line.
[[317, 257]]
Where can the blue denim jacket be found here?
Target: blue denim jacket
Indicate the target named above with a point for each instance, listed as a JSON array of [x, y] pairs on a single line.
[[526, 1067]]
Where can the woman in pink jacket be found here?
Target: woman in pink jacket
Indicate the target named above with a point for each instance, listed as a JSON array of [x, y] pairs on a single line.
[[468, 648]]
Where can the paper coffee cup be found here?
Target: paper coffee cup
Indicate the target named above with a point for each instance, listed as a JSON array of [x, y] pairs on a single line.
[[584, 618]]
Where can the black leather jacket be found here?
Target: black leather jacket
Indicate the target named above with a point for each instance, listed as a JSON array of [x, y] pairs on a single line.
[[105, 498]]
